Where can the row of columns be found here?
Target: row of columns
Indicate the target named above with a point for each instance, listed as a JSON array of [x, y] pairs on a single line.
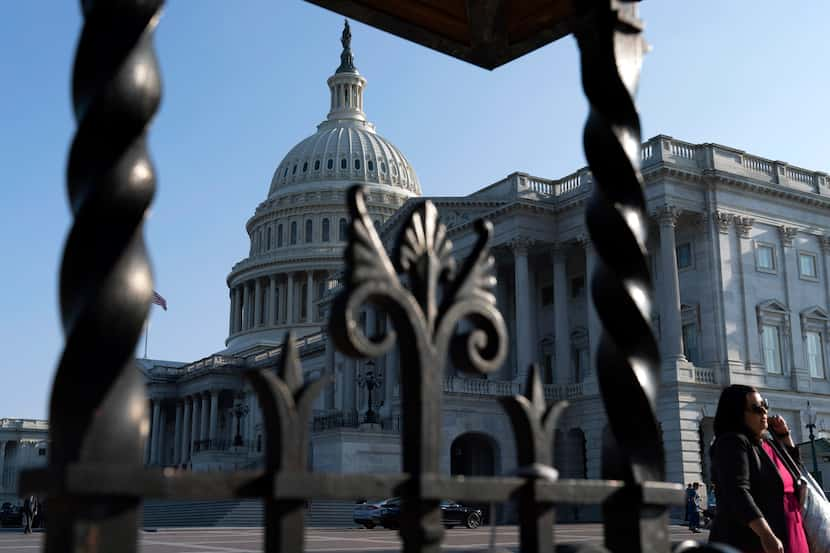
[[196, 420], [266, 302]]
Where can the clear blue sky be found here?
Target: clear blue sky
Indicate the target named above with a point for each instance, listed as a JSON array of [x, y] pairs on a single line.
[[244, 84]]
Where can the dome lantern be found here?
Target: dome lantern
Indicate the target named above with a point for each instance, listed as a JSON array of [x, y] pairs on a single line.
[[346, 85]]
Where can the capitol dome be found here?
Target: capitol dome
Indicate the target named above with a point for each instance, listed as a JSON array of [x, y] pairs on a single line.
[[298, 233], [345, 146]]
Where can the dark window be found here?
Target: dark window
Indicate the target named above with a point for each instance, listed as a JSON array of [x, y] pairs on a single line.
[[259, 443], [309, 230], [41, 452], [325, 230], [371, 165], [330, 164], [285, 173], [357, 164], [316, 164], [547, 295], [305, 166], [294, 170], [268, 239], [684, 255], [344, 163], [342, 231], [577, 286], [279, 236], [383, 167], [293, 232]]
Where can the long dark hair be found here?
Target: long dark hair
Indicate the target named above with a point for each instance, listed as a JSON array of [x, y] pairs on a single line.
[[731, 406]]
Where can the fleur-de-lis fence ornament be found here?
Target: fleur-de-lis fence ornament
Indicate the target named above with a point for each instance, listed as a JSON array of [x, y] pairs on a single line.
[[436, 309], [286, 402], [534, 423]]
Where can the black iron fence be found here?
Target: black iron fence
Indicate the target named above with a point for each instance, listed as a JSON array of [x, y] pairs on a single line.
[[96, 482]]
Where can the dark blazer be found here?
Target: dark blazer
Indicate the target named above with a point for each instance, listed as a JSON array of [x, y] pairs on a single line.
[[748, 486]]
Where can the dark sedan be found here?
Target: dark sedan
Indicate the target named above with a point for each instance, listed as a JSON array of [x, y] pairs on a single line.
[[452, 514]]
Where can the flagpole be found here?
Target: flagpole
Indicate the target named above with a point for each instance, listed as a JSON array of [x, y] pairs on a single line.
[[146, 334]]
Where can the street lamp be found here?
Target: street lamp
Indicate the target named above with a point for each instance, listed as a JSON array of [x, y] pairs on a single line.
[[811, 425], [239, 410], [370, 380]]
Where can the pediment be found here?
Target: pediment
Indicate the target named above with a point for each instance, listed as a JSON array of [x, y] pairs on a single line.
[[815, 312], [773, 306]]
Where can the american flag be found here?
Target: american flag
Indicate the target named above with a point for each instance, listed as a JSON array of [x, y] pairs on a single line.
[[160, 301]]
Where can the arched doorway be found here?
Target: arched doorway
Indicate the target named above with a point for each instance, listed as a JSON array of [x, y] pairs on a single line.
[[474, 454]]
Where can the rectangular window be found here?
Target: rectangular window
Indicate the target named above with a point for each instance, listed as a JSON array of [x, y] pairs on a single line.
[[577, 286], [772, 348], [815, 354], [807, 265], [547, 295], [684, 256], [548, 374], [690, 343], [765, 258]]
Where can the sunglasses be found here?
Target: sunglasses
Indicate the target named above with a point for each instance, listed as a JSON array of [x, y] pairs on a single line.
[[761, 409]]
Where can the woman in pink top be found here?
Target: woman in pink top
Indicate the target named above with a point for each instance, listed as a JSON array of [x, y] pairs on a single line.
[[756, 479]]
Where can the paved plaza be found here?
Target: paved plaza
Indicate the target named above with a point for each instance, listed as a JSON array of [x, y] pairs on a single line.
[[249, 540]]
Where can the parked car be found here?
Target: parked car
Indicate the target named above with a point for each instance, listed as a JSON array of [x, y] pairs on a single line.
[[11, 516], [452, 514], [368, 514]]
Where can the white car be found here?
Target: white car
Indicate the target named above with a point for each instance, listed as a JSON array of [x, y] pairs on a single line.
[[368, 514]]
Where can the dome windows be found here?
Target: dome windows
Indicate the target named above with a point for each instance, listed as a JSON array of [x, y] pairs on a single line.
[[293, 232], [330, 164], [316, 164], [371, 165], [383, 167], [285, 173], [326, 230], [279, 235], [305, 166], [342, 231], [309, 230], [344, 163], [357, 165], [394, 170], [294, 170]]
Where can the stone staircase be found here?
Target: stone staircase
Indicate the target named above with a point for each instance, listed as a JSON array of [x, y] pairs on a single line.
[[238, 513]]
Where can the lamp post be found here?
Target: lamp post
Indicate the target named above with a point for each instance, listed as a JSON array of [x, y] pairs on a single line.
[[370, 380], [811, 425], [239, 410]]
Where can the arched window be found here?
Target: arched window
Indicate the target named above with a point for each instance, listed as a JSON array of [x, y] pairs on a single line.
[[357, 164], [303, 295], [279, 235], [309, 230], [285, 173], [371, 165], [268, 239], [293, 232], [344, 163], [342, 232], [330, 164], [305, 166], [325, 230], [383, 167], [316, 164], [294, 170]]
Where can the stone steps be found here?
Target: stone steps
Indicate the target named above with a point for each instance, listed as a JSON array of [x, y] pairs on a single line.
[[237, 513]]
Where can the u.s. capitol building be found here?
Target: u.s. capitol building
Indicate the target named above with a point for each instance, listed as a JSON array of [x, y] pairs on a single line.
[[739, 250]]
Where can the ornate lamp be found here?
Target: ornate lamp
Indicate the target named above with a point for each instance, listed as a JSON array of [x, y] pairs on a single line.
[[810, 413], [370, 380], [239, 410]]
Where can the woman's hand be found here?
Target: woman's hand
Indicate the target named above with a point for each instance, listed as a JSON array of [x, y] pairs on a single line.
[[771, 544], [779, 428]]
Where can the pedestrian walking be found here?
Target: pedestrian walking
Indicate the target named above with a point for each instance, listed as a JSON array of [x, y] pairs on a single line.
[[29, 513], [694, 509]]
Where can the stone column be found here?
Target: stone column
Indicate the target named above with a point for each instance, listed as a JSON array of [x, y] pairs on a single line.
[[792, 333], [237, 309], [162, 443], [2, 461], [524, 346], [594, 324], [231, 312], [194, 427], [214, 414], [289, 300], [562, 329], [257, 302], [328, 395], [751, 340], [246, 306], [349, 384], [177, 435], [187, 417], [154, 433], [670, 323], [309, 299], [272, 301], [204, 424]]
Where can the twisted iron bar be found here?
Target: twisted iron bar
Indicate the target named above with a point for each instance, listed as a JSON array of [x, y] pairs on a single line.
[[628, 361], [98, 411]]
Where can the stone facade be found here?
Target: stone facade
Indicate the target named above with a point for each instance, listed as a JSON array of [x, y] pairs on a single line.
[[23, 445]]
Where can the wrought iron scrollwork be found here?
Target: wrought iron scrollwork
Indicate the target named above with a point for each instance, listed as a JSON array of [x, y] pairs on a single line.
[[286, 402], [98, 411], [444, 310]]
